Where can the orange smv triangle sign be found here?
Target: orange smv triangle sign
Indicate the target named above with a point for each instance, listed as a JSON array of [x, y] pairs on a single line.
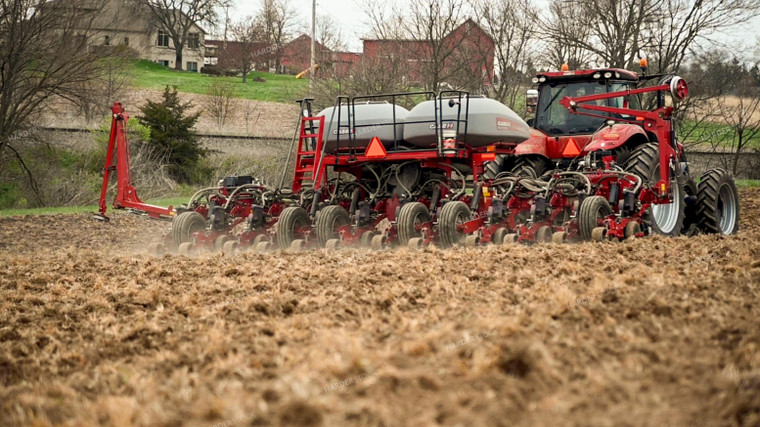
[[375, 149], [571, 149]]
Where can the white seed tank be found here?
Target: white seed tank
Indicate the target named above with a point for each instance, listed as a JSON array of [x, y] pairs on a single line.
[[489, 121], [371, 119]]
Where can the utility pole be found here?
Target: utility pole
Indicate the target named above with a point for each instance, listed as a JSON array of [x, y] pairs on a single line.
[[313, 36]]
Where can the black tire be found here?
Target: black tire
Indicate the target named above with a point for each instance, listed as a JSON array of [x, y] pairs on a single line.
[[530, 166], [452, 213], [690, 219], [329, 219], [592, 210], [411, 216], [718, 203], [185, 224], [665, 219], [291, 219], [494, 167]]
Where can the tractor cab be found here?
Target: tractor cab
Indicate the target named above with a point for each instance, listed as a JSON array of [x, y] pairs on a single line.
[[559, 137]]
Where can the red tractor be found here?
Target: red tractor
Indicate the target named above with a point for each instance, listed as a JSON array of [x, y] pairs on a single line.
[[577, 113]]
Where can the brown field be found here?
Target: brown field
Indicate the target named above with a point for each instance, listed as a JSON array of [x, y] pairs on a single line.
[[650, 332]]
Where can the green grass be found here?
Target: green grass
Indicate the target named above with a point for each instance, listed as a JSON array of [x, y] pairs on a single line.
[[747, 183], [712, 133], [171, 201], [277, 88]]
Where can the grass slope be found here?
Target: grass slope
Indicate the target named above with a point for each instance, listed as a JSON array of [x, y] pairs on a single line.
[[276, 88], [171, 201]]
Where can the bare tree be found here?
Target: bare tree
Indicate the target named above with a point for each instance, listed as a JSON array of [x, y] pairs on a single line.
[[678, 24], [727, 117], [511, 26], [43, 53], [178, 17], [247, 34], [328, 33], [565, 38], [610, 30], [110, 83], [220, 101], [276, 19], [423, 33], [371, 76]]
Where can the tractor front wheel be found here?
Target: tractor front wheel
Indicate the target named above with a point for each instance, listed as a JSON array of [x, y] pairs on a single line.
[[718, 203]]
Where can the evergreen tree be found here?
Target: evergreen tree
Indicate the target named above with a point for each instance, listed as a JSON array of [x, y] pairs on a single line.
[[172, 136]]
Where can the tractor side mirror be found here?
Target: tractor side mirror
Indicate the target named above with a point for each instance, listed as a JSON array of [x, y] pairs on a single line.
[[531, 100]]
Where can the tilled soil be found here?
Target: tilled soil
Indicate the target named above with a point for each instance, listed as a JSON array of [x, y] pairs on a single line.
[[656, 331]]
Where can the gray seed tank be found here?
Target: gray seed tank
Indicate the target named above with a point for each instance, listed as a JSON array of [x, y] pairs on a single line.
[[489, 122], [371, 119]]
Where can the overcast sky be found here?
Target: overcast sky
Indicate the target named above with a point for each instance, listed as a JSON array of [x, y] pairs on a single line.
[[351, 18]]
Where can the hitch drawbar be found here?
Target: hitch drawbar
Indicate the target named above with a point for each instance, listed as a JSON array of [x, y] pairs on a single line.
[[126, 194]]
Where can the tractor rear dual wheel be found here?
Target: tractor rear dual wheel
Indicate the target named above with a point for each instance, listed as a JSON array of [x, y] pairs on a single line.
[[530, 166], [495, 166], [718, 203], [666, 219]]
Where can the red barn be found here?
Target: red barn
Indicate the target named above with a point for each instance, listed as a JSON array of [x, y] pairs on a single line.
[[472, 53]]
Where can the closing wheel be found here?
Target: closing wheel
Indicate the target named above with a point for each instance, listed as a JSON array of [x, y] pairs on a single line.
[[230, 247], [593, 210], [471, 241], [509, 239], [332, 244], [258, 239], [498, 236], [718, 203], [156, 249], [185, 224], [366, 239], [288, 224], [631, 229], [544, 234], [598, 234], [297, 245], [220, 241], [262, 247], [415, 243], [452, 214], [185, 249], [378, 242], [410, 219], [330, 219], [559, 237], [667, 218]]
